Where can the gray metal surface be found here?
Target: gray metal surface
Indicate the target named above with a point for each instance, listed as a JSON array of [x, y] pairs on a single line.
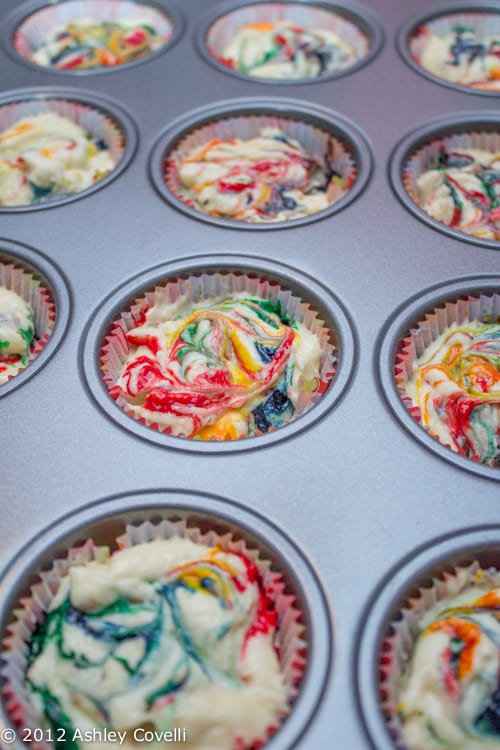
[[355, 491]]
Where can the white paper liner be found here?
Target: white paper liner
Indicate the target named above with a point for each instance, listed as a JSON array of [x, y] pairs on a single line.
[[222, 31], [35, 29], [397, 647], [486, 24], [427, 156], [116, 348], [17, 279], [290, 637], [100, 125], [321, 145]]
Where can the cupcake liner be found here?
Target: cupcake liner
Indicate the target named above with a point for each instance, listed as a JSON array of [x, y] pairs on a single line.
[[486, 25], [223, 30], [32, 32], [290, 642], [116, 349], [17, 279], [99, 124], [426, 157], [485, 308], [319, 144], [399, 640]]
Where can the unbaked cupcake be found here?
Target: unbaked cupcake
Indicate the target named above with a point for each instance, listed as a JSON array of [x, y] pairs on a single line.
[[91, 34], [228, 358], [259, 169], [460, 48], [27, 319], [178, 636], [448, 374], [287, 41], [442, 664], [456, 180], [45, 156]]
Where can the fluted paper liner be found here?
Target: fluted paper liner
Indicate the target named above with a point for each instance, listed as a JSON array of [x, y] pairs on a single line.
[[426, 157], [321, 145], [309, 17], [400, 638], [34, 30], [486, 24], [15, 277], [96, 122], [485, 308], [290, 638], [116, 349]]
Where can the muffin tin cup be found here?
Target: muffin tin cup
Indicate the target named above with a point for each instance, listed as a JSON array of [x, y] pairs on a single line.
[[351, 22], [414, 325], [390, 624], [442, 21], [36, 280], [417, 152], [104, 347], [316, 128], [26, 29], [100, 116], [31, 580]]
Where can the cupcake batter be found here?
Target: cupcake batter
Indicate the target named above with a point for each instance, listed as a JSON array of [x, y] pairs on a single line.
[[463, 191], [462, 56], [45, 156], [221, 369], [267, 178], [162, 635], [284, 49], [91, 43], [17, 331], [450, 696], [456, 386]]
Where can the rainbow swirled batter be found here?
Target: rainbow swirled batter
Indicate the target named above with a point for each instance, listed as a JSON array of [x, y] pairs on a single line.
[[221, 369], [164, 635], [17, 334], [463, 191], [450, 692], [267, 178], [90, 43], [463, 56], [284, 49], [45, 156], [456, 386]]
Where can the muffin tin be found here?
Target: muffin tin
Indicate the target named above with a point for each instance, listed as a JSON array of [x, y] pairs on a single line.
[[351, 489]]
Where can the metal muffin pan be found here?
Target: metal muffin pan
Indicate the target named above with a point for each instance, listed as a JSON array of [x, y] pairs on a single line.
[[37, 100], [357, 14], [412, 24], [103, 522], [454, 123], [22, 14], [355, 490], [346, 132]]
